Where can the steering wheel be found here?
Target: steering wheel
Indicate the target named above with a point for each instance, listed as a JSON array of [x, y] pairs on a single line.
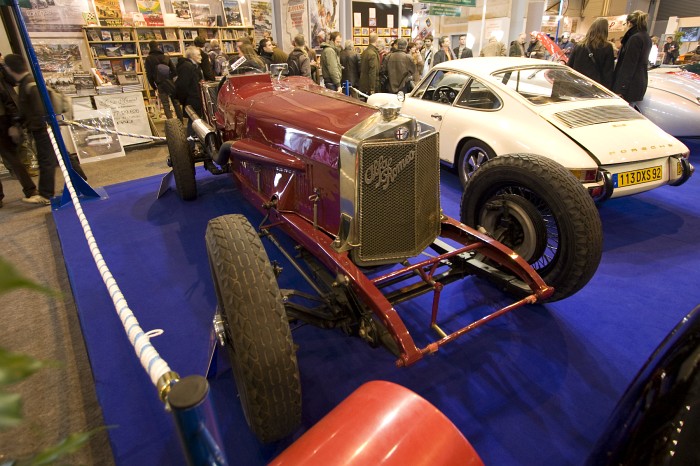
[[444, 94]]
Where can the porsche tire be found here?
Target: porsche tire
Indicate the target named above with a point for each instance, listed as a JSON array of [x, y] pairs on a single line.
[[474, 154]]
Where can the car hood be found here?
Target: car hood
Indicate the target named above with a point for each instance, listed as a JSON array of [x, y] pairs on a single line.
[[681, 83], [612, 133]]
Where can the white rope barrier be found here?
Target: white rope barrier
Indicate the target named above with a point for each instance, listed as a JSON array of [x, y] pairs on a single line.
[[151, 361], [111, 131], [359, 92]]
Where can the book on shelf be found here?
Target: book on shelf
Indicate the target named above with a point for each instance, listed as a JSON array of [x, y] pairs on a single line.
[[116, 35], [109, 89], [161, 35], [113, 51], [106, 35], [63, 84], [170, 48], [187, 34], [170, 34], [97, 51], [82, 80], [130, 64], [93, 34], [126, 35], [129, 49], [117, 66], [150, 35], [128, 79]]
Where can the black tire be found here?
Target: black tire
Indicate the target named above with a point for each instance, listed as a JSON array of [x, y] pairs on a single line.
[[504, 196], [258, 337], [181, 159], [473, 155]]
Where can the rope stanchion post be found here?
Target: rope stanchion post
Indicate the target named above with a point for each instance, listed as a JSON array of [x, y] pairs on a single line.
[[188, 398], [82, 185]]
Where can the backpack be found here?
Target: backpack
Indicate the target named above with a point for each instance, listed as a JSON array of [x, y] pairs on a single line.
[[61, 103], [162, 73], [293, 67], [219, 62]]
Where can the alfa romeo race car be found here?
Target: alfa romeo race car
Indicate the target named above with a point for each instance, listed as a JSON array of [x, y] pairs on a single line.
[[357, 191]]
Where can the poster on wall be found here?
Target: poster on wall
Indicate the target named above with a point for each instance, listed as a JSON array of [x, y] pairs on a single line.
[[129, 113], [202, 15], [151, 11], [55, 15], [182, 12], [323, 20], [92, 145], [232, 12], [109, 12], [296, 22], [262, 18]]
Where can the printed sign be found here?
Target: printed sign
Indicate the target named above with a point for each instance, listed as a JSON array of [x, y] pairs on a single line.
[[129, 114]]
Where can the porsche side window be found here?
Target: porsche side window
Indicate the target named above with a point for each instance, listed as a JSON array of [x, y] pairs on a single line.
[[477, 96], [444, 86]]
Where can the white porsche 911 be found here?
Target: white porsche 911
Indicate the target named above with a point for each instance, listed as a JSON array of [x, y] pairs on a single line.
[[485, 107]]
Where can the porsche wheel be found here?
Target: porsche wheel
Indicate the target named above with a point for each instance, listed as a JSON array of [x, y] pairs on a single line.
[[181, 159], [540, 210], [256, 331], [473, 155]]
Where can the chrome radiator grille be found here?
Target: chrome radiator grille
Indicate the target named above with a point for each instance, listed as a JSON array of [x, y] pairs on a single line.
[[398, 199], [597, 115]]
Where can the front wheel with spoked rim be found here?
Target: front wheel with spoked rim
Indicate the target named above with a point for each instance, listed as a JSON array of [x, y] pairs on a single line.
[[539, 209]]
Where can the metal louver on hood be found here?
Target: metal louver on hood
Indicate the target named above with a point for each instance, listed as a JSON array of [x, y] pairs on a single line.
[[597, 115]]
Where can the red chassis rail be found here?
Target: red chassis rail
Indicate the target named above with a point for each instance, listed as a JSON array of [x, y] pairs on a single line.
[[319, 244]]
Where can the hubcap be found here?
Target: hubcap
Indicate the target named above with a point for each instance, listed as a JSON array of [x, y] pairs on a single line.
[[473, 159]]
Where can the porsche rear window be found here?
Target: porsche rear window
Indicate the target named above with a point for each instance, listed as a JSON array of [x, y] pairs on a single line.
[[550, 85]]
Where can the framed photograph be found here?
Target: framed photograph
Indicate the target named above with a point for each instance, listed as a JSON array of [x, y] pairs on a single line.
[[371, 31], [373, 22], [171, 34], [187, 34], [364, 31], [365, 41], [356, 31], [406, 32], [92, 145], [126, 35], [357, 40], [394, 31]]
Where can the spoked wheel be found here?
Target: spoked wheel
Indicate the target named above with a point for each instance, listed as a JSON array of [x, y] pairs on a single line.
[[181, 159], [256, 331], [539, 209], [474, 154]]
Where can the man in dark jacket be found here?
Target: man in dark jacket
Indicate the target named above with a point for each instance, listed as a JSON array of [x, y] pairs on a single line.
[[350, 61], [33, 115], [205, 64], [298, 62], [400, 68], [630, 78], [369, 67], [161, 73], [462, 51], [8, 148], [189, 74], [444, 52]]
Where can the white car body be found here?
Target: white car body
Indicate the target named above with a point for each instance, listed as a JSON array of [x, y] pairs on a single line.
[[672, 101], [609, 146]]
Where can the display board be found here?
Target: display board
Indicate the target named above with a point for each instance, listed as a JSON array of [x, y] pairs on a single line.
[[92, 145], [129, 114]]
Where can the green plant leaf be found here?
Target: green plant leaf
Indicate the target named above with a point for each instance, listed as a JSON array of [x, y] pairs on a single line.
[[70, 444], [10, 280], [10, 409], [16, 367]]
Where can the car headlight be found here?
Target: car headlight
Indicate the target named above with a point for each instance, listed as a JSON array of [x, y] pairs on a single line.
[[585, 175]]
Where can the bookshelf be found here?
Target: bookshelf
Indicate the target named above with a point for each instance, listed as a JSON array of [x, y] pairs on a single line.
[[116, 50]]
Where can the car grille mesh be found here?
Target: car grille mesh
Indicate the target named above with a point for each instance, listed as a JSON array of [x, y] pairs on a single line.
[[597, 115], [399, 199]]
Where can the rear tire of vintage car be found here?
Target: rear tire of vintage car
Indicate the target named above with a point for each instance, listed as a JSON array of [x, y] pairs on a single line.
[[181, 160], [539, 209], [257, 333], [474, 153]]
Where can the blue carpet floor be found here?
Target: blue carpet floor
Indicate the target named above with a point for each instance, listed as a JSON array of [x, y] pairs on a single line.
[[531, 388]]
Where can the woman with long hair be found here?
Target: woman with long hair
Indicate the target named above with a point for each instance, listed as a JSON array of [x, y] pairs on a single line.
[[593, 56], [630, 77], [253, 61]]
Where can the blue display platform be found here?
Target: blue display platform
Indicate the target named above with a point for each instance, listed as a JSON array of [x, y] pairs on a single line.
[[533, 387]]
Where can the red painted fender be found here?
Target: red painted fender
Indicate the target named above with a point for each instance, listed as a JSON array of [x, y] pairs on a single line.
[[381, 423]]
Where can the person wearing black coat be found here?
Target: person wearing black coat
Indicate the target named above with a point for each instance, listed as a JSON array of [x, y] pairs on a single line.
[[205, 64], [187, 88], [593, 56], [630, 78], [350, 61], [162, 79]]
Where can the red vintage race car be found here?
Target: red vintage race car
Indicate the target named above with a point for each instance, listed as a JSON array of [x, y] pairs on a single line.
[[358, 192]]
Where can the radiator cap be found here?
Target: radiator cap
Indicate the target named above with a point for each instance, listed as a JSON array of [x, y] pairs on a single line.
[[390, 111]]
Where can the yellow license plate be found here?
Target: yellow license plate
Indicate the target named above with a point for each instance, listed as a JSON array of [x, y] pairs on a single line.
[[644, 175]]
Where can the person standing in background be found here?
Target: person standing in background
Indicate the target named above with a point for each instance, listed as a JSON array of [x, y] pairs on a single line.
[[494, 48], [205, 64], [160, 73], [350, 62], [369, 67], [535, 49], [671, 51], [654, 53], [593, 56], [462, 51], [444, 52], [517, 47], [330, 61], [630, 78]]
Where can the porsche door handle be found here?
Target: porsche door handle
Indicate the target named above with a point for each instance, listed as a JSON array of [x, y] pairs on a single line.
[[436, 116]]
